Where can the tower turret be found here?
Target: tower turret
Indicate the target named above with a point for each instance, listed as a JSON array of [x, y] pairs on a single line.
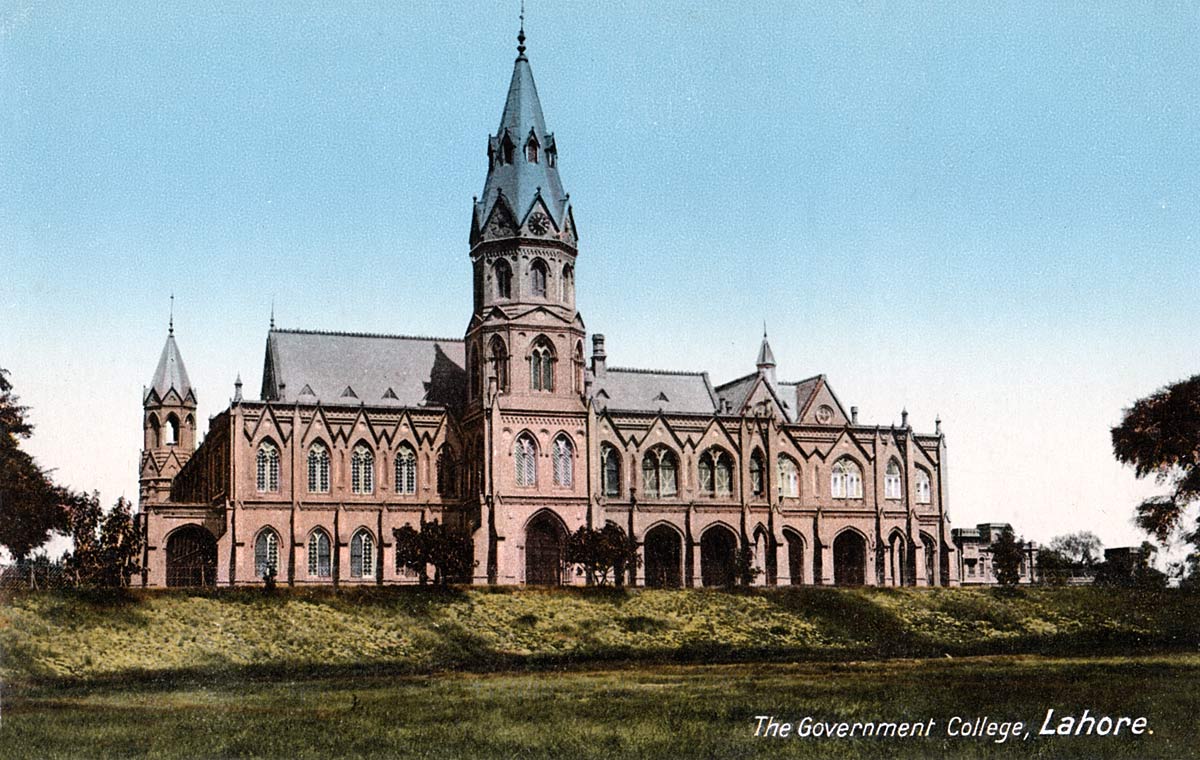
[[525, 337], [766, 359], [168, 423]]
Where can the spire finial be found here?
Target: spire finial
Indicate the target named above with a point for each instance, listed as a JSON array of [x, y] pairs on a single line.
[[171, 321], [521, 34], [272, 313], [764, 329]]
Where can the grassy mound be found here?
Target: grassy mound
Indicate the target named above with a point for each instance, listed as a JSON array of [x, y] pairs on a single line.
[[101, 636]]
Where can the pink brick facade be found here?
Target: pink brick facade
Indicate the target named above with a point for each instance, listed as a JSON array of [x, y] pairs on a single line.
[[512, 434]]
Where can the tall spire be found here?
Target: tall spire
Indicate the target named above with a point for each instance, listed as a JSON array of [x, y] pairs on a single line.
[[522, 162], [766, 357], [170, 372]]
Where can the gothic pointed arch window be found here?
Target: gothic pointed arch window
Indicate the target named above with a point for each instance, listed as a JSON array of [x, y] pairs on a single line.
[[320, 563], [579, 366], [660, 470], [362, 470], [507, 149], [891, 480], [563, 456], [172, 429], [499, 359], [318, 468], [539, 275], [568, 283], [715, 471], [155, 432], [789, 477], [525, 460], [266, 553], [924, 492], [362, 554], [610, 465], [447, 472], [531, 149], [845, 480], [502, 272], [406, 470], [541, 365], [266, 463], [758, 486]]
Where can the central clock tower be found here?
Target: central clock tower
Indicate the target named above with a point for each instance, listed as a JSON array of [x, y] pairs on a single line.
[[524, 344]]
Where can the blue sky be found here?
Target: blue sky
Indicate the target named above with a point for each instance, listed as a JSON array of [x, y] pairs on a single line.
[[987, 213]]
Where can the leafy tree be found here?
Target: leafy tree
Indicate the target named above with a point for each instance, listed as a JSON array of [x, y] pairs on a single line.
[[1082, 548], [745, 571], [600, 552], [1054, 567], [31, 506], [448, 550], [107, 547], [1007, 553], [1160, 436]]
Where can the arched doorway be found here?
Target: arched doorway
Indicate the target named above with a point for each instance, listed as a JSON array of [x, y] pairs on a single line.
[[849, 559], [930, 547], [545, 538], [899, 560], [718, 556], [191, 557], [795, 557], [663, 547]]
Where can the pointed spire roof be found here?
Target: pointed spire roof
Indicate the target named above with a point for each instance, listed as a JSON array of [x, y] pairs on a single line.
[[170, 372], [766, 357], [522, 180]]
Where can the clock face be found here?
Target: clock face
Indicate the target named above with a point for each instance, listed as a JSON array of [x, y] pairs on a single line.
[[539, 224], [824, 414]]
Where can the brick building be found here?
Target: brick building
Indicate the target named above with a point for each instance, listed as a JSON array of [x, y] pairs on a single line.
[[517, 435]]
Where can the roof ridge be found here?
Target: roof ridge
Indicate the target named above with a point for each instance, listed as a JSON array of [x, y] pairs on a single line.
[[737, 380], [366, 335], [655, 371]]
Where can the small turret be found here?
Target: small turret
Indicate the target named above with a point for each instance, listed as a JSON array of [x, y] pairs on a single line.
[[766, 359], [168, 422]]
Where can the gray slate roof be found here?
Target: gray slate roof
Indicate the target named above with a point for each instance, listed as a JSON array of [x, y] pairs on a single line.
[[170, 372], [520, 180], [357, 368], [652, 390]]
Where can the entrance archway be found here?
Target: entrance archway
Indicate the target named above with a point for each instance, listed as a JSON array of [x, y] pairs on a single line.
[[849, 559], [545, 538], [663, 547], [718, 556], [899, 560], [191, 557], [795, 557]]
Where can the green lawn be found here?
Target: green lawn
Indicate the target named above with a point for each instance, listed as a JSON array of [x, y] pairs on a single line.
[[645, 711]]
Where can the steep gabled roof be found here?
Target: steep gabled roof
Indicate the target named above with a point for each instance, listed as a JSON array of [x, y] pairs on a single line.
[[647, 390], [359, 368]]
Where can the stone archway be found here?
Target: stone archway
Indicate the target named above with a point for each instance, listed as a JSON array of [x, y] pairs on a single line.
[[545, 540], [718, 556], [795, 556], [663, 548], [191, 557], [900, 562], [849, 559]]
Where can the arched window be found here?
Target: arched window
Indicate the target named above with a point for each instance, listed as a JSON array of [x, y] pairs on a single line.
[[757, 472], [551, 156], [924, 495], [267, 466], [715, 470], [610, 463], [362, 554], [319, 565], [266, 553], [503, 274], [362, 470], [447, 472], [172, 430], [507, 149], [541, 366], [531, 150], [155, 432], [318, 468], [525, 461], [499, 361], [789, 477], [568, 283], [538, 275], [891, 480], [580, 368], [406, 470], [564, 461], [659, 473], [846, 480]]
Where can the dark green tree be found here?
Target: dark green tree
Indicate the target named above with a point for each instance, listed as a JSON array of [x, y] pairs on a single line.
[[31, 506], [1159, 436], [410, 552], [107, 548], [1007, 553], [448, 550], [597, 553]]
